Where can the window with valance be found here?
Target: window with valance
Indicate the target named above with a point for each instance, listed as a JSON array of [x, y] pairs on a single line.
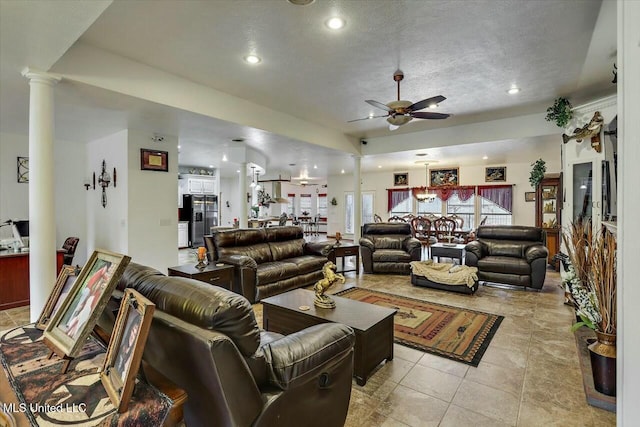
[[396, 197]]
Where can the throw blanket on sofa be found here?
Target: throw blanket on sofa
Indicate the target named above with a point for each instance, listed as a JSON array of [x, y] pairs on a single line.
[[445, 273]]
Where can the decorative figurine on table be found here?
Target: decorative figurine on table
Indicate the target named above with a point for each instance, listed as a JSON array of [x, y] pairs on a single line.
[[202, 257], [330, 277], [338, 238]]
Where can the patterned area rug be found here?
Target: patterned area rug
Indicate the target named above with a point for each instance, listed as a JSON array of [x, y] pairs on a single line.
[[452, 332], [78, 397]]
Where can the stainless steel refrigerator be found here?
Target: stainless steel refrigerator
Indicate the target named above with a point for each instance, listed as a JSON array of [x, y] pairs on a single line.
[[202, 214]]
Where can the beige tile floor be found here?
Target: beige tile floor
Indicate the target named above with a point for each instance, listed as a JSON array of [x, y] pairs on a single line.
[[529, 375]]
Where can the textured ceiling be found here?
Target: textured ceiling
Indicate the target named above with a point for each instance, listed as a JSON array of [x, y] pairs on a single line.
[[469, 51]]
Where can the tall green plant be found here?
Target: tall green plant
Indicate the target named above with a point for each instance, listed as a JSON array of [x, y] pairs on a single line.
[[537, 172]]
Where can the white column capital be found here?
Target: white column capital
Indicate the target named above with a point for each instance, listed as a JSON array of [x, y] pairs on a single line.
[[41, 76]]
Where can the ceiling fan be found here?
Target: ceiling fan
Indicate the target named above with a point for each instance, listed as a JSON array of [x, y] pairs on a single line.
[[401, 112]]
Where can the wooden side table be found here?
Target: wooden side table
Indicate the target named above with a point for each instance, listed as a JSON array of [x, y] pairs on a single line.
[[344, 251], [213, 274]]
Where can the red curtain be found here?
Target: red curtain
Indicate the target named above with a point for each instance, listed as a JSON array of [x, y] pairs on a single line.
[[417, 190], [395, 197], [445, 192], [465, 192], [501, 195]]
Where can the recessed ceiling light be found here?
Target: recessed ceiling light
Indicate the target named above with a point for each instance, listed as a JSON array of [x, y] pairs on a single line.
[[238, 171], [178, 147], [224, 157], [342, 171], [335, 23], [252, 59], [211, 166], [301, 2], [513, 90], [485, 157], [379, 166], [315, 166]]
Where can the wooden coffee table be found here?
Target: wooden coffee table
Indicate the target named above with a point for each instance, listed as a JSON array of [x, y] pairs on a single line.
[[373, 325]]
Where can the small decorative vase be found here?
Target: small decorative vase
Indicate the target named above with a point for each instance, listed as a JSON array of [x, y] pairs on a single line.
[[603, 363]]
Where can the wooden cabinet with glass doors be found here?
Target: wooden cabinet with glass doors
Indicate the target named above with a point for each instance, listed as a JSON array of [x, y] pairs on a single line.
[[548, 209]]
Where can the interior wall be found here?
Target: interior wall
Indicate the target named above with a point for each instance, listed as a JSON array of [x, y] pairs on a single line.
[[230, 193], [69, 174], [152, 226], [107, 227], [379, 182]]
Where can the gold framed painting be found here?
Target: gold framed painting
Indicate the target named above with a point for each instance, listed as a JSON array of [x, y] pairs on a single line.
[[126, 346], [401, 178], [154, 160], [440, 177], [495, 174], [64, 283], [71, 325]]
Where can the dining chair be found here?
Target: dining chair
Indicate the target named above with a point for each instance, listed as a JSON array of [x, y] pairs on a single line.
[[377, 218], [444, 228], [396, 218], [69, 245], [422, 229]]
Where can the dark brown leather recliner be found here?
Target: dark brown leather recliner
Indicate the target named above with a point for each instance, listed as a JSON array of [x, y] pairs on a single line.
[[269, 261], [511, 254], [205, 339], [388, 248]]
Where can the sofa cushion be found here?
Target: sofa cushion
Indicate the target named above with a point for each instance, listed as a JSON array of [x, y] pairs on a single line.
[[308, 263], [281, 234], [390, 241], [269, 272], [510, 232], [260, 252], [286, 249], [504, 264], [505, 248], [391, 255]]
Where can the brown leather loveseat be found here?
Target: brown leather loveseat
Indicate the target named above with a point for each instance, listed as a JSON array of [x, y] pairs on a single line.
[[511, 254], [388, 248], [206, 341], [268, 261]]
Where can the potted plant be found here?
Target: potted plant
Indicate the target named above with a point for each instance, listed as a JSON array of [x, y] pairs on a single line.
[[593, 288], [334, 202], [560, 112], [537, 172]]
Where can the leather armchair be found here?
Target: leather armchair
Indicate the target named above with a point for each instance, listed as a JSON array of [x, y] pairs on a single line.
[[388, 248], [205, 339], [512, 254]]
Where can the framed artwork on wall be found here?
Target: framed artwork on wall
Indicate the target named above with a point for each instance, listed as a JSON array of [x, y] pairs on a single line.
[[126, 345], [530, 196], [23, 170], [495, 174], [401, 178], [71, 325], [154, 160], [439, 177]]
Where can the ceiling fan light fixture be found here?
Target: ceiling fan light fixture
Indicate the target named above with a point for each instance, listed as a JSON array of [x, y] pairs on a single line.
[[399, 120], [335, 23], [433, 106]]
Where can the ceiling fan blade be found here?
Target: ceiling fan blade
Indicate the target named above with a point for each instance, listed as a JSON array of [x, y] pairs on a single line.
[[379, 105], [367, 118], [426, 102], [427, 115]]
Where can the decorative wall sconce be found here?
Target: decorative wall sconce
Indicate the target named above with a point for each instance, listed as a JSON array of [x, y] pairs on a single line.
[[104, 180]]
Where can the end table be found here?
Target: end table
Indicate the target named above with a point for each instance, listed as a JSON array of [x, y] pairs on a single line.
[[344, 251], [213, 274]]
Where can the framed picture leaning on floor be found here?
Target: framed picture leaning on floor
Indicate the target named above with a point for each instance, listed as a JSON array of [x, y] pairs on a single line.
[[71, 325], [125, 349], [64, 283]]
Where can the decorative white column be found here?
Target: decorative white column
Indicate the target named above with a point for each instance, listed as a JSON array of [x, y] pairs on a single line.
[[244, 211], [42, 224], [357, 200]]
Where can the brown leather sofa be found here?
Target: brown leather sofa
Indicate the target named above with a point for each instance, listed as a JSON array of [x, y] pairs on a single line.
[[511, 254], [269, 261], [388, 248], [206, 341]]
